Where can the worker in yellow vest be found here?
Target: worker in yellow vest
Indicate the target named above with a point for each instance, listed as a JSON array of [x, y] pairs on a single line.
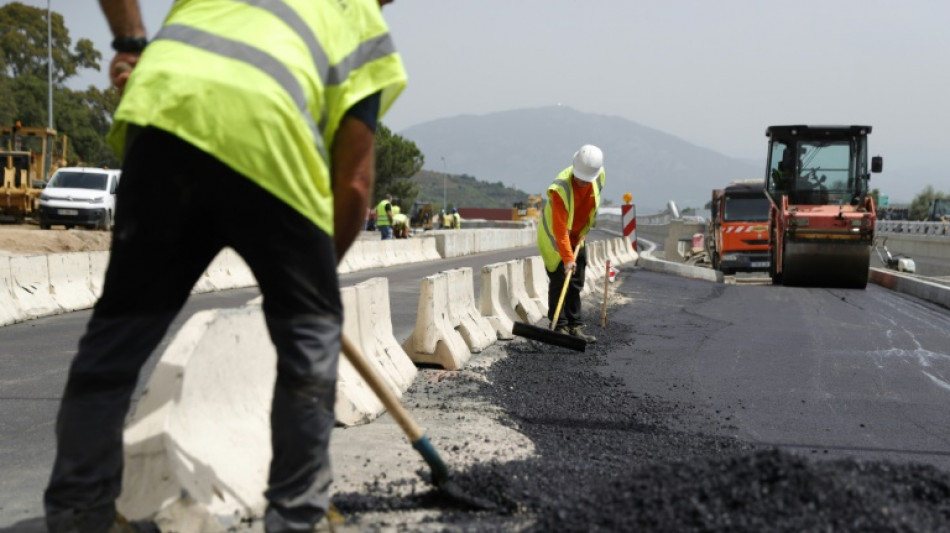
[[569, 213], [241, 124], [384, 217], [455, 219]]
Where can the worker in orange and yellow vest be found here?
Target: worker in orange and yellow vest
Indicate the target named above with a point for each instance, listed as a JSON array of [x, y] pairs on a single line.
[[569, 213]]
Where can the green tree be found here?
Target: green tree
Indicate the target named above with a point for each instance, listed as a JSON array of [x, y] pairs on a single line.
[[84, 116], [920, 206], [23, 45], [397, 161]]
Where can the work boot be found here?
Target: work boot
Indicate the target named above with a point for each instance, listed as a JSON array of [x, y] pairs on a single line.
[[564, 330], [578, 331]]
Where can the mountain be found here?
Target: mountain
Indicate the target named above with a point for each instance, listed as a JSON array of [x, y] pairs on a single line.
[[526, 149]]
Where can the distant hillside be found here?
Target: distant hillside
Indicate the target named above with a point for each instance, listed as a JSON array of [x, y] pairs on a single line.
[[465, 191], [525, 149]]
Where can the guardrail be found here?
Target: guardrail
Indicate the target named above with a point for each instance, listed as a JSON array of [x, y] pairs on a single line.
[[909, 227]]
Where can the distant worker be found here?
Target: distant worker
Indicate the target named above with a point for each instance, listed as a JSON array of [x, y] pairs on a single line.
[[384, 217], [455, 219], [273, 107], [400, 226], [569, 213]]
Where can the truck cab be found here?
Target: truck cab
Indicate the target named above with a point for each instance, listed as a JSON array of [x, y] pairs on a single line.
[[739, 230]]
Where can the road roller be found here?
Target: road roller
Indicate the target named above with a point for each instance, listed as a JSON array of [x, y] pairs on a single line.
[[822, 216]]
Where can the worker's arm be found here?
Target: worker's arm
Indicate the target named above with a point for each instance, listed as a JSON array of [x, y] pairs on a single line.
[[561, 233], [353, 172], [125, 20]]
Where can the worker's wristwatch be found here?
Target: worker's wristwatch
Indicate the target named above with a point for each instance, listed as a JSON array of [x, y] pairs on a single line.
[[131, 45]]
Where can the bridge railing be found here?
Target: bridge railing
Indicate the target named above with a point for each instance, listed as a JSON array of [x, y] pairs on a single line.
[[909, 227]]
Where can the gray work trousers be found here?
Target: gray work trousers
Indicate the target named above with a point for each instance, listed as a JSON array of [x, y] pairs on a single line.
[[177, 208], [571, 308]]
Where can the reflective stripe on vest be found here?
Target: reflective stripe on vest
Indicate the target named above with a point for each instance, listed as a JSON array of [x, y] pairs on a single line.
[[262, 85], [547, 242], [382, 219]]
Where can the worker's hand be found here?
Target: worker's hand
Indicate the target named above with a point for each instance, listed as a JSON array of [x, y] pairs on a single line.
[[121, 68], [570, 267]]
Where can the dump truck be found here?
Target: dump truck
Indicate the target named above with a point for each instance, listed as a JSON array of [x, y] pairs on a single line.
[[29, 156], [822, 216], [738, 237]]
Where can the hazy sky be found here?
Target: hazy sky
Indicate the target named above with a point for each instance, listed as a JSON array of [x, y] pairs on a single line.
[[714, 73]]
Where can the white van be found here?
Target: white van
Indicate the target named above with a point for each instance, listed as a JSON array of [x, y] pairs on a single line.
[[80, 196]]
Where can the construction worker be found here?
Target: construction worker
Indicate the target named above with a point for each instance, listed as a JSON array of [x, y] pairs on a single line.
[[400, 222], [273, 107], [455, 219], [569, 213], [384, 217]]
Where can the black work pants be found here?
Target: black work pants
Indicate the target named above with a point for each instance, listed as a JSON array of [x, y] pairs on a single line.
[[177, 208], [571, 309]]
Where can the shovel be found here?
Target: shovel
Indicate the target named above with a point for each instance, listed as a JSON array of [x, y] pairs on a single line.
[[439, 471], [548, 335]]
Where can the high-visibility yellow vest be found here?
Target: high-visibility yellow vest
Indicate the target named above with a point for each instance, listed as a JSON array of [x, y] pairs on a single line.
[[382, 218], [547, 243], [263, 86]]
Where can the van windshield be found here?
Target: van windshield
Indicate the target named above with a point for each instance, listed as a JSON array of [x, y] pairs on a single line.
[[79, 180]]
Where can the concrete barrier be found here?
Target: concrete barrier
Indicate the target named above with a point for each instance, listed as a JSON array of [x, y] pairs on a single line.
[[923, 289], [434, 340], [201, 429], [521, 301], [536, 282], [494, 302], [474, 328], [199, 437], [31, 288], [372, 311], [10, 311], [98, 263], [69, 281], [648, 262]]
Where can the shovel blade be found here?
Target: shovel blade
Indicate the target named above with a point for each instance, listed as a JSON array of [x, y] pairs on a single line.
[[549, 336]]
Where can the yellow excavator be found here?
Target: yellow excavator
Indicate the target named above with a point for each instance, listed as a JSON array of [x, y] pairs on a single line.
[[528, 210], [29, 156]]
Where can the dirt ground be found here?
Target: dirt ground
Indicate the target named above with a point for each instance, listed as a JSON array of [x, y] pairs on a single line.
[[25, 239]]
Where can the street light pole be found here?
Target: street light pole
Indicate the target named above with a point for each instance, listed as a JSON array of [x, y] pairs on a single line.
[[445, 174], [49, 62]]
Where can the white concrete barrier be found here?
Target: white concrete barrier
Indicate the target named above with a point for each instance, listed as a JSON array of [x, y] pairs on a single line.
[[199, 437], [372, 311], [201, 430], [494, 302], [475, 329], [536, 282], [10, 311], [98, 264], [434, 340], [31, 288], [521, 301], [69, 281]]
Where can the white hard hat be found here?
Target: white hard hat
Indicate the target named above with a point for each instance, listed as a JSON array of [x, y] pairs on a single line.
[[588, 163]]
